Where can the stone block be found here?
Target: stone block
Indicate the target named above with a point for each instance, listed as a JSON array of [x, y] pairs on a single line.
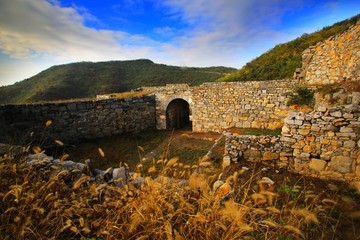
[[348, 115], [317, 164], [349, 144], [298, 122], [270, 156], [330, 134], [315, 128], [346, 130], [321, 109], [307, 149], [226, 162], [305, 155], [304, 132], [336, 114], [275, 125], [342, 164], [286, 129], [252, 154]]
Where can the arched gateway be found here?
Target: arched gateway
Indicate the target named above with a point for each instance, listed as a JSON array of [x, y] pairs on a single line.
[[178, 114]]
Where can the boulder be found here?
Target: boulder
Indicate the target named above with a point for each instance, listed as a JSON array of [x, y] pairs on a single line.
[[342, 164], [317, 164]]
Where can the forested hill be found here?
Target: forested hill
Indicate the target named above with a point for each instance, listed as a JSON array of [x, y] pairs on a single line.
[[87, 79], [281, 61]]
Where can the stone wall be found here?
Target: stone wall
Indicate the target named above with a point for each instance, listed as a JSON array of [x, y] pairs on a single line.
[[326, 142], [337, 59], [218, 106], [256, 148], [252, 104], [74, 121]]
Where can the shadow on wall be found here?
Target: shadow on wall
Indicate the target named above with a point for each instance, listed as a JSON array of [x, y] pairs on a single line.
[[178, 114]]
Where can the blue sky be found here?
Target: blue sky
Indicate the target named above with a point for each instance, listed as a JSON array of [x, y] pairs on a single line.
[[36, 34]]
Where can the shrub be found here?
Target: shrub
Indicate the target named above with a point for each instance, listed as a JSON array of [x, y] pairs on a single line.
[[301, 96]]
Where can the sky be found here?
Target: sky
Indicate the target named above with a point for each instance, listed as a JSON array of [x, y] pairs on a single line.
[[37, 34]]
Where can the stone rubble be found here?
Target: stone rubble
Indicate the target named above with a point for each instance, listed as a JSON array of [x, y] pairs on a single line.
[[118, 176]]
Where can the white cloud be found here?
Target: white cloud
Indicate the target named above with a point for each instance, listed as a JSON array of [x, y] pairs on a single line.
[[37, 28], [212, 33]]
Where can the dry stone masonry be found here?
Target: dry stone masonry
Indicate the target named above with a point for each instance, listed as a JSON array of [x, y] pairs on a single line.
[[337, 59], [256, 148], [325, 142], [252, 104], [73, 121], [218, 106]]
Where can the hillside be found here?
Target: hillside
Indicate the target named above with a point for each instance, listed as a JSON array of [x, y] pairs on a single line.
[[281, 61], [87, 79]]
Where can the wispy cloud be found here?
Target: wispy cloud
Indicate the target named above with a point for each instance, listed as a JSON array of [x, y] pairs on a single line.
[[199, 33]]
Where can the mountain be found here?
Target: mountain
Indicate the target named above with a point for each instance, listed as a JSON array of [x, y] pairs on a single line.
[[87, 79], [281, 61]]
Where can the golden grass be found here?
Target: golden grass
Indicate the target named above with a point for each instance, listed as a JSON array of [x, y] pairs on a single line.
[[176, 201]]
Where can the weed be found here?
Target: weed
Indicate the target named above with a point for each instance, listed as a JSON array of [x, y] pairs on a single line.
[[291, 191]]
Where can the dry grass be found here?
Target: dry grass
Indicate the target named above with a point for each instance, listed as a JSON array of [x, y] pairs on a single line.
[[176, 201], [173, 203]]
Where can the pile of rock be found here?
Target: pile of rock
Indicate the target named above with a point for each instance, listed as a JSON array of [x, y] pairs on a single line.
[[118, 176]]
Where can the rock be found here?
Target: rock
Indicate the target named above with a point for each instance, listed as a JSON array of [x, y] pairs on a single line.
[[304, 132], [304, 155], [346, 130], [317, 164], [275, 125], [336, 114], [90, 167], [321, 109], [270, 156], [285, 129], [119, 176], [348, 115], [326, 156], [108, 174], [315, 128], [252, 154], [226, 161], [342, 164], [349, 144], [308, 149]]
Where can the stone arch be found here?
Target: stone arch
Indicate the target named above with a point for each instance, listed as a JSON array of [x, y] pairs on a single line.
[[178, 114]]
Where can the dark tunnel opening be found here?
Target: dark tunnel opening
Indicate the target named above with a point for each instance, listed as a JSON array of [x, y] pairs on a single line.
[[178, 114]]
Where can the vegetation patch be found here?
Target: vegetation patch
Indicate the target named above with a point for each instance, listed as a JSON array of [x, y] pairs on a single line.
[[301, 96], [282, 61]]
